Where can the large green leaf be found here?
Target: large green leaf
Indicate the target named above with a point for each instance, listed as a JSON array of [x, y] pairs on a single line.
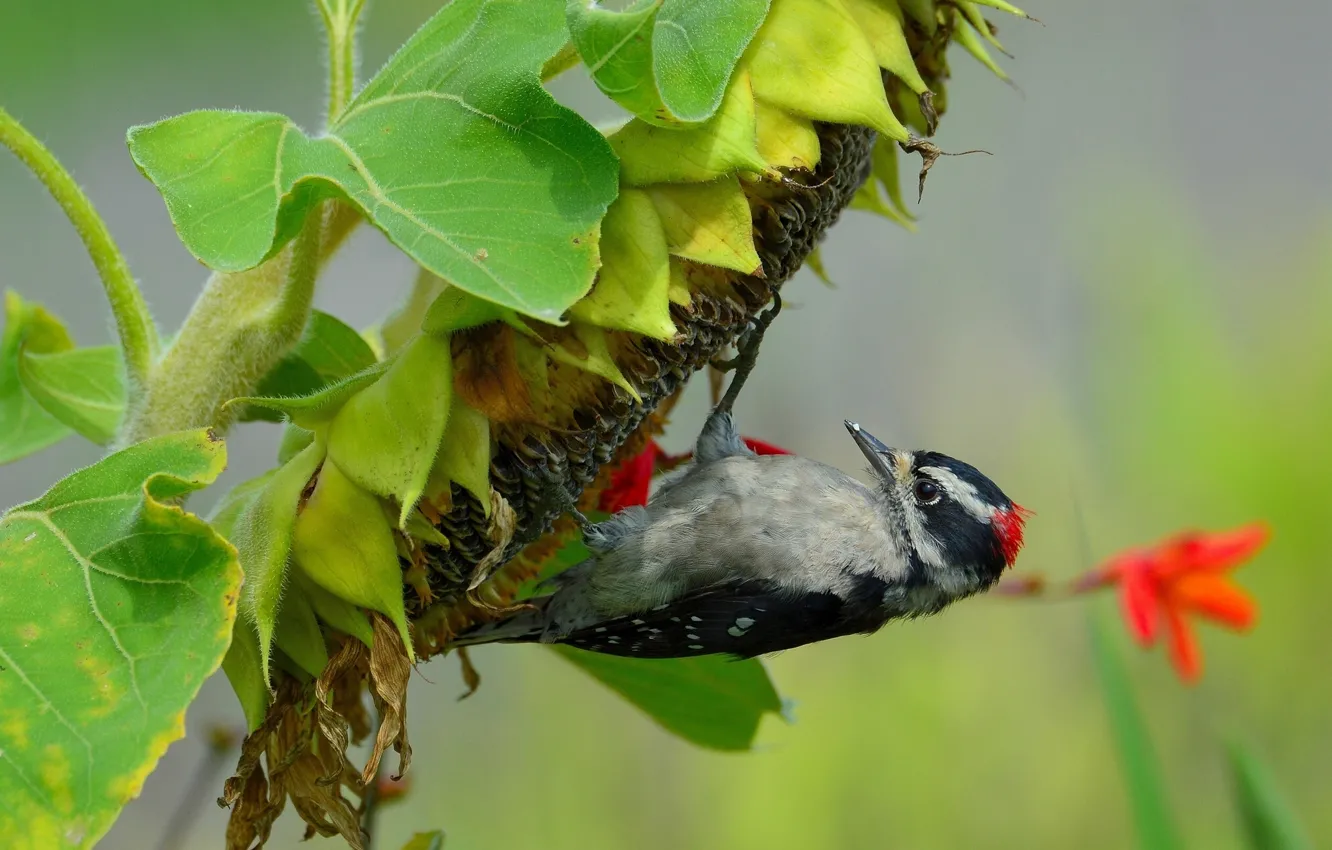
[[710, 700], [666, 61], [25, 428], [1269, 822], [84, 388], [454, 150], [1142, 775], [115, 605]]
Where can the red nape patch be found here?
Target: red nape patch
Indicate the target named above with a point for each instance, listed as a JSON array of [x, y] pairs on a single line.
[[1008, 528]]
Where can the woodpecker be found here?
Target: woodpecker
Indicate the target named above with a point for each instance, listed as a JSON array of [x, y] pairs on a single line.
[[744, 554]]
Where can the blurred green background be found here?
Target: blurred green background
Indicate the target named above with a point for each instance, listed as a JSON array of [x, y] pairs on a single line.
[[1124, 316]]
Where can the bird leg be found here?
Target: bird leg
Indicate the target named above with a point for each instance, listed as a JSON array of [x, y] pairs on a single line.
[[719, 438], [746, 356]]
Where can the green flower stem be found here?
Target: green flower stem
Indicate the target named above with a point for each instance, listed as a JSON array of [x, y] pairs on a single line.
[[134, 322], [240, 327], [340, 17]]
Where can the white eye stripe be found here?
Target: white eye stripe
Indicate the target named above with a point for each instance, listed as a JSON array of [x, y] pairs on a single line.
[[962, 492]]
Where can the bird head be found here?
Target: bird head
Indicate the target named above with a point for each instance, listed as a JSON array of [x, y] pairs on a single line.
[[960, 530]]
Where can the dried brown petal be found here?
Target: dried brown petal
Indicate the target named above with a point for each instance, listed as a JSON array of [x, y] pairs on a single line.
[[390, 671]]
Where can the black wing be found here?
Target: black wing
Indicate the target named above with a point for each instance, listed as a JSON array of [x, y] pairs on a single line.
[[741, 618]]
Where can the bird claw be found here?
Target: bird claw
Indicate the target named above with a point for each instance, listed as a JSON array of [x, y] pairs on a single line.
[[747, 353]]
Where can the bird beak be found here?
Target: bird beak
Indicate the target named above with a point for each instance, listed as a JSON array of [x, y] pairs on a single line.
[[879, 455]]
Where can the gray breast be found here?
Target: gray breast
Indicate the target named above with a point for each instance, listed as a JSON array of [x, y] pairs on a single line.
[[789, 519]]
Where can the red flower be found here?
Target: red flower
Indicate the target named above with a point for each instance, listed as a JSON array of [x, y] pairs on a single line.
[[1185, 574], [629, 485]]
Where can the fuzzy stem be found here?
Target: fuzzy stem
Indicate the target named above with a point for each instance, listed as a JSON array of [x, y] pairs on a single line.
[[239, 328], [339, 17], [134, 322]]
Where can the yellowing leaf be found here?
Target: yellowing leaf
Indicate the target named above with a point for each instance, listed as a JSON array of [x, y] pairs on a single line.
[[115, 606], [881, 22], [386, 436], [810, 59], [709, 223], [464, 456], [723, 144], [588, 350], [786, 140], [344, 543], [630, 292]]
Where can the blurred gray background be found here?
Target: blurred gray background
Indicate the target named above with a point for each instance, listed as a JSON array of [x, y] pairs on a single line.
[[1129, 296]]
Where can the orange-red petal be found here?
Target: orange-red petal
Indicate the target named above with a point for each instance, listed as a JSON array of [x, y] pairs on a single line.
[[761, 447], [1183, 645], [1213, 552], [629, 485], [1216, 598], [1141, 604]]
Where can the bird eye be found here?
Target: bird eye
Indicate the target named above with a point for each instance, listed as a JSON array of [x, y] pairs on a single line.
[[927, 492]]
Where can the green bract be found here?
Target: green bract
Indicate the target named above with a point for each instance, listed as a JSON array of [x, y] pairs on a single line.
[[344, 543], [262, 535], [114, 607], [328, 351], [468, 166], [386, 436]]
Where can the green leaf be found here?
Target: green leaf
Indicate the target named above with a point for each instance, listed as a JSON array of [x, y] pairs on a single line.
[[666, 61], [695, 46], [386, 437], [453, 149], [115, 605], [617, 49], [710, 700], [1269, 822], [433, 840], [84, 388], [327, 352], [1142, 775], [25, 428], [262, 535]]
